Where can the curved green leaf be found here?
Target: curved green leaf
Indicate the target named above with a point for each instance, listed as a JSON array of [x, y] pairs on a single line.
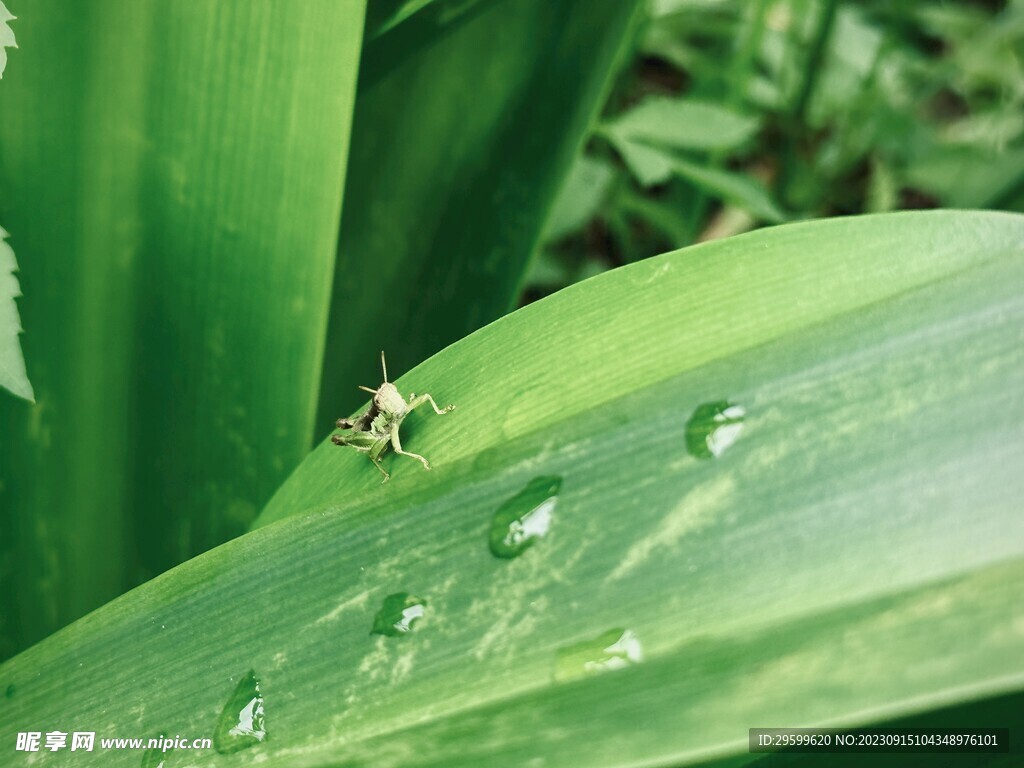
[[12, 363], [766, 480]]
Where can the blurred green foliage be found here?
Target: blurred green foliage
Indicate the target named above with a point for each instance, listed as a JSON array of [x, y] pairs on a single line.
[[738, 113]]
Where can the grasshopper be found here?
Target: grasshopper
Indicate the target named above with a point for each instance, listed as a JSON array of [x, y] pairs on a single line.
[[378, 425]]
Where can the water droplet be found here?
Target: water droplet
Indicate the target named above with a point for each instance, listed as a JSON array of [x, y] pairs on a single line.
[[397, 614], [714, 427], [614, 649], [154, 757], [525, 518], [241, 723], [10, 691]]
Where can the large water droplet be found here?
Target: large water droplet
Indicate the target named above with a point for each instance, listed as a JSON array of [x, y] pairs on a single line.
[[525, 518], [714, 427], [241, 723], [154, 757], [614, 649], [397, 614]]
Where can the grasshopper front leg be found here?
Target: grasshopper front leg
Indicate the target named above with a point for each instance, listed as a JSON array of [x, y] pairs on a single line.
[[415, 402]]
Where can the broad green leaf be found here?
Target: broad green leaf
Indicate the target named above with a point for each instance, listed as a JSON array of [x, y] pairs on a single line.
[[6, 36], [12, 364], [459, 149], [770, 479], [687, 124], [173, 173]]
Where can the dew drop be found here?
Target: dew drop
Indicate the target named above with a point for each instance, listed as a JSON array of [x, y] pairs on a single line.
[[241, 723], [614, 649], [714, 427], [525, 518], [397, 614]]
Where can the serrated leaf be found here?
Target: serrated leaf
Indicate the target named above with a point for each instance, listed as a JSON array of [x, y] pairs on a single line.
[[6, 36], [854, 552], [12, 363]]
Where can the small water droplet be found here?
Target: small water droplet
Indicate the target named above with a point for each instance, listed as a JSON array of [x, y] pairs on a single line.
[[614, 649], [10, 691], [525, 518], [397, 614], [241, 723], [714, 427], [154, 757]]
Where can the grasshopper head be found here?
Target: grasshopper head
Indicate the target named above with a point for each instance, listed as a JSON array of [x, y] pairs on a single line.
[[389, 400]]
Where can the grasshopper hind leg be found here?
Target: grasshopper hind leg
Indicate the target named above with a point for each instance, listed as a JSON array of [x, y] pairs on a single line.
[[377, 464], [375, 452]]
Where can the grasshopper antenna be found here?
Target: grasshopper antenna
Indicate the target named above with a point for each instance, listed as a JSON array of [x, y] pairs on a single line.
[[384, 366], [367, 389]]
